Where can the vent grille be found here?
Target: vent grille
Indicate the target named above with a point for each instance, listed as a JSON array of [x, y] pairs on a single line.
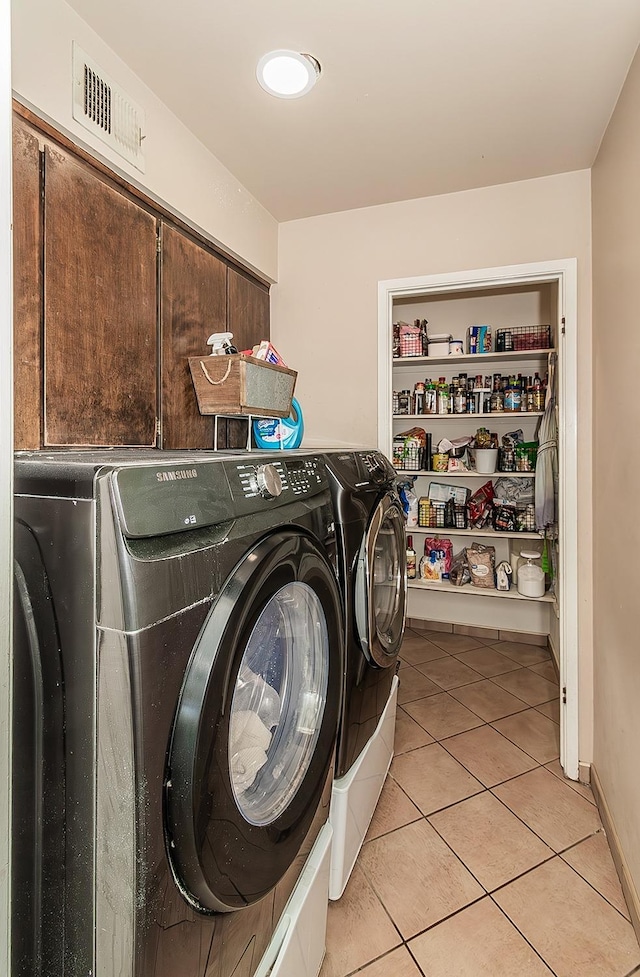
[[107, 111]]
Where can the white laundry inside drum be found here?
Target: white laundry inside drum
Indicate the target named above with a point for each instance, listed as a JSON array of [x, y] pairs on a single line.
[[249, 741], [256, 711], [278, 703]]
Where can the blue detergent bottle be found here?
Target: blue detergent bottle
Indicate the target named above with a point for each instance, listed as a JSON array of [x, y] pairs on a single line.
[[273, 433]]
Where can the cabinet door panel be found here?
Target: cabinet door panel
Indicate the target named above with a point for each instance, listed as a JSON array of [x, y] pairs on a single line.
[[248, 320], [193, 306], [248, 311], [27, 288], [100, 333]]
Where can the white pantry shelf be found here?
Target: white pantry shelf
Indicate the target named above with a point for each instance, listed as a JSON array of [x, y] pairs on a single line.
[[521, 355], [472, 591], [437, 475], [501, 414], [489, 533]]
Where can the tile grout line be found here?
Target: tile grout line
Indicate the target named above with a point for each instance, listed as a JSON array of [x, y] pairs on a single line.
[[527, 705], [590, 884], [528, 942], [486, 789]]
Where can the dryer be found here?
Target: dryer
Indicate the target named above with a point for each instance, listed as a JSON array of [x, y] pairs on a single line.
[[179, 660], [372, 571]]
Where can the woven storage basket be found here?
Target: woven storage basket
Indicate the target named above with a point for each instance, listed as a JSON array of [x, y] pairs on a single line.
[[239, 384]]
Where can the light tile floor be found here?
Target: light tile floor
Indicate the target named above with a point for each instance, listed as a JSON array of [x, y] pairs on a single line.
[[481, 859]]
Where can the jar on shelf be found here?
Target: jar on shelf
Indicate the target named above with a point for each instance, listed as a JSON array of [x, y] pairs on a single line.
[[430, 399], [404, 401], [483, 438], [460, 401], [497, 401], [507, 460], [512, 398], [442, 397], [530, 575]]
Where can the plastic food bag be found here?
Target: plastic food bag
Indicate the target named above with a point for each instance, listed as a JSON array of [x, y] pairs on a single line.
[[513, 491], [505, 519], [443, 550], [460, 573], [479, 506], [409, 502], [431, 567], [482, 562]]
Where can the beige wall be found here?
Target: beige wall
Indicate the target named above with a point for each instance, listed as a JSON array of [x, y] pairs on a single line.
[[616, 471], [324, 310], [179, 170]]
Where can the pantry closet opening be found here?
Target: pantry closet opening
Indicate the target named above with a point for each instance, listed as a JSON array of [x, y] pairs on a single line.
[[530, 313]]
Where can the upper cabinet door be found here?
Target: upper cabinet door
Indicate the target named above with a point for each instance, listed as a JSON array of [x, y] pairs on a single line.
[[27, 288], [100, 311], [193, 306], [248, 311]]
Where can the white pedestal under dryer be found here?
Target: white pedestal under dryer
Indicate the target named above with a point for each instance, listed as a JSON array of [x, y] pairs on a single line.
[[371, 549], [179, 663]]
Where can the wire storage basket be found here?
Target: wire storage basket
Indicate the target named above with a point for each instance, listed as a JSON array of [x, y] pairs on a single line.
[[523, 337], [411, 345], [407, 457]]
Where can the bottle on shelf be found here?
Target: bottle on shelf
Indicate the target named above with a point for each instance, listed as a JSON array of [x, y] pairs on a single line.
[[497, 396], [411, 559], [430, 398], [442, 394]]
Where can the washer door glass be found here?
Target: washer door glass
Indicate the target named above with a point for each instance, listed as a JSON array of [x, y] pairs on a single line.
[[278, 703], [387, 575], [381, 585]]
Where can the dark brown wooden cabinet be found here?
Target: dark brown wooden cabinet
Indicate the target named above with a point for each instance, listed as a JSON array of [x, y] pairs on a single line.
[[201, 295], [193, 305], [27, 288], [111, 297], [100, 333], [248, 310]]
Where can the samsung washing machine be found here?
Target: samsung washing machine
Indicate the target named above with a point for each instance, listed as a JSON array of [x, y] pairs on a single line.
[[372, 570], [179, 661]]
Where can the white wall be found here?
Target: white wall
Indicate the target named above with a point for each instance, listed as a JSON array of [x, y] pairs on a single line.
[[324, 311], [179, 170], [616, 306]]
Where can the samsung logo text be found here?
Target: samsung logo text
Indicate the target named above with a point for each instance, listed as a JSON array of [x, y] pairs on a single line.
[[175, 476]]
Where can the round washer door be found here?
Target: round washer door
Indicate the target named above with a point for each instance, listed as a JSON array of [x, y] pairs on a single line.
[[381, 584], [255, 727]]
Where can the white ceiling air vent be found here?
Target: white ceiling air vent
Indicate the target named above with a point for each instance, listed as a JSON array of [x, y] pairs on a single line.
[[104, 109]]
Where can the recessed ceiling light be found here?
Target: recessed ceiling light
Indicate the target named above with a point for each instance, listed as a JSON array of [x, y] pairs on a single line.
[[287, 74]]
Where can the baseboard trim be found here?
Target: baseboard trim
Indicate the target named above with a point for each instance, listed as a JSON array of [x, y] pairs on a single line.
[[628, 888], [584, 772], [493, 634]]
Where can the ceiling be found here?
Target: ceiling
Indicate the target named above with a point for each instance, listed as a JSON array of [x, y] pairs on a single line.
[[416, 97]]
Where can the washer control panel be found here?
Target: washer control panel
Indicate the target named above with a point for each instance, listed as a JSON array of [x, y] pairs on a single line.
[[280, 479]]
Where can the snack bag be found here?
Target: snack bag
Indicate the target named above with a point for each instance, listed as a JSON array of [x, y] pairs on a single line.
[[482, 562], [443, 550], [460, 573], [479, 506], [431, 567]]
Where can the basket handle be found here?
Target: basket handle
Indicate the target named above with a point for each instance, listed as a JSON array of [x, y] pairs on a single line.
[[216, 382]]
